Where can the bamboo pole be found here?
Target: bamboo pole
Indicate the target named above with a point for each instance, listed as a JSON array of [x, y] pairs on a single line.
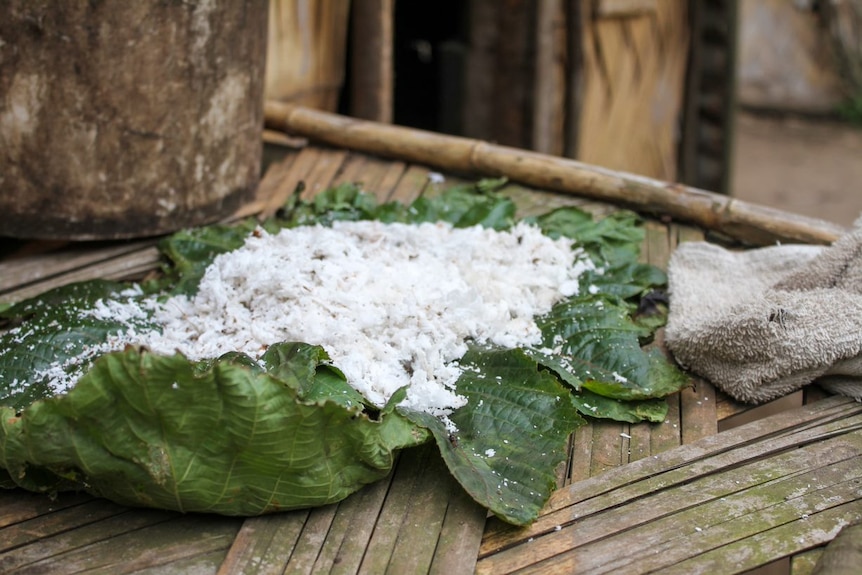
[[747, 222]]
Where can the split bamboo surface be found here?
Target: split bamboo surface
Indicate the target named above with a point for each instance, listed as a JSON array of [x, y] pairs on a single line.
[[651, 484], [727, 503], [746, 222]]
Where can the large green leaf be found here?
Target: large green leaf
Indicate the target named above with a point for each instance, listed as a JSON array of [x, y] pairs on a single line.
[[600, 345], [143, 429], [305, 368], [622, 284], [610, 241], [340, 203], [48, 330], [599, 406], [240, 437], [469, 205], [510, 436]]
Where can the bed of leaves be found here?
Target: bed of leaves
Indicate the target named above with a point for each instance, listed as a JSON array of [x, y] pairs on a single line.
[[237, 436]]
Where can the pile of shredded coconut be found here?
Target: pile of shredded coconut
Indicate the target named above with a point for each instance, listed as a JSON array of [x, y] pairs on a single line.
[[393, 304]]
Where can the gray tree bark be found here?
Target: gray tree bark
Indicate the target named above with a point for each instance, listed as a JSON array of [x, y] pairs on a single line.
[[126, 119]]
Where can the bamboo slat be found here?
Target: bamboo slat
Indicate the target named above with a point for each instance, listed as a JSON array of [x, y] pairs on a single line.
[[412, 518], [669, 434], [773, 487], [40, 526], [21, 506], [700, 408], [744, 221], [22, 271], [730, 414], [803, 563], [638, 443], [98, 535], [371, 174], [191, 539], [26, 278], [411, 186]]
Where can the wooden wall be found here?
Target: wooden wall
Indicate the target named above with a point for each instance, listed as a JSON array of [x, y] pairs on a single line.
[[306, 52], [632, 86], [602, 81]]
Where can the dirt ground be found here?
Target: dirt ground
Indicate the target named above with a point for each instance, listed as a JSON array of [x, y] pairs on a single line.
[[803, 165]]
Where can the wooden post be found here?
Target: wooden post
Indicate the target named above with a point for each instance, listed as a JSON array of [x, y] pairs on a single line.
[[634, 56], [706, 150], [123, 119], [500, 75], [578, 17], [549, 95], [372, 80]]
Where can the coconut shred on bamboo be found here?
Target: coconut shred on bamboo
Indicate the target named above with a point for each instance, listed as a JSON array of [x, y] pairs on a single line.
[[393, 305]]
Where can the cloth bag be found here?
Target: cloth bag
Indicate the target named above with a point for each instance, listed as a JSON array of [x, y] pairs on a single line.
[[763, 323]]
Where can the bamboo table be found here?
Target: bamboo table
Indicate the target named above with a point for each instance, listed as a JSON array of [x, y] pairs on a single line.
[[679, 496]]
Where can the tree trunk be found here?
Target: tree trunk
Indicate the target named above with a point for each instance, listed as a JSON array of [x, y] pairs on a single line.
[[123, 119]]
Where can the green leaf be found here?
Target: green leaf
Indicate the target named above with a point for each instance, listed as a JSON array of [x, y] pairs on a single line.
[[510, 436], [306, 369], [191, 251], [611, 241], [666, 378], [142, 429], [290, 427], [464, 206], [595, 405], [598, 347], [623, 283], [652, 376], [344, 202], [45, 333]]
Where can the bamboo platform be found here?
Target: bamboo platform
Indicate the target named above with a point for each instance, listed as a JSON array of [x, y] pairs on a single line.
[[682, 496]]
